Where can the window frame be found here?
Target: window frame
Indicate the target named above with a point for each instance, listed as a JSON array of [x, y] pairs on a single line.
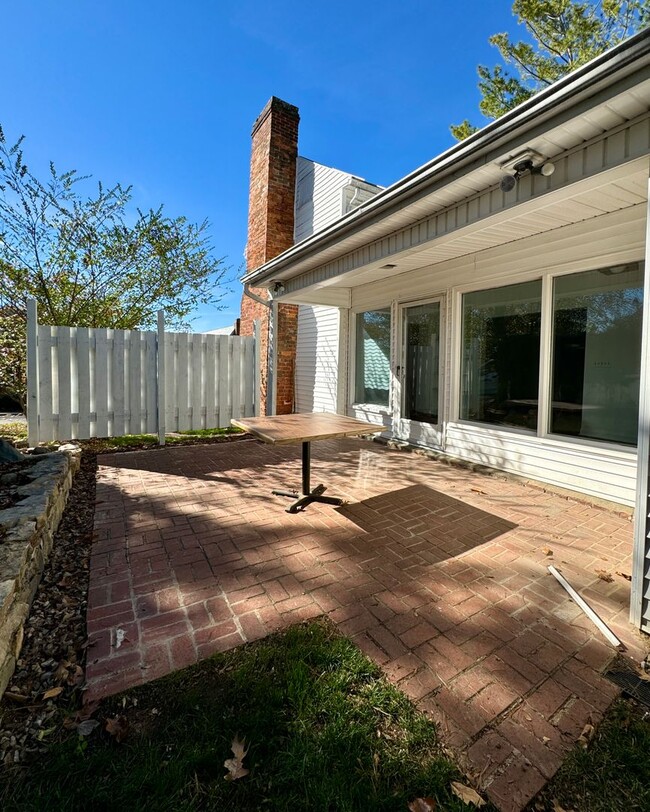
[[353, 404], [547, 278]]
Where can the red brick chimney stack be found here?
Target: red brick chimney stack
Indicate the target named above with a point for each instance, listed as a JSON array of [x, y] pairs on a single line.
[[270, 232]]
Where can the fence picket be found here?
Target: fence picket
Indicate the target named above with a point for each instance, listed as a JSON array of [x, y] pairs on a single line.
[[65, 408], [135, 383], [117, 381], [149, 378], [45, 422], [211, 420], [83, 384]]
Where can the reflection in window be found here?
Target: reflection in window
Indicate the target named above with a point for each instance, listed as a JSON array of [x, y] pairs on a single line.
[[372, 366], [422, 362], [500, 355], [597, 353]]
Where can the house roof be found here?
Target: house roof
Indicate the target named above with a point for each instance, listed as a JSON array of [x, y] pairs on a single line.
[[564, 110]]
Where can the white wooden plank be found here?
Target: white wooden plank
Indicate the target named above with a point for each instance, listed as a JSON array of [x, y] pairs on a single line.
[[211, 410], [223, 377], [45, 404], [102, 380], [32, 372], [117, 382], [171, 405], [235, 376], [135, 382], [182, 382], [64, 429], [83, 384], [197, 362], [249, 377], [150, 377]]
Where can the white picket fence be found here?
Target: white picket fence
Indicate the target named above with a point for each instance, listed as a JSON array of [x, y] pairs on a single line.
[[89, 382]]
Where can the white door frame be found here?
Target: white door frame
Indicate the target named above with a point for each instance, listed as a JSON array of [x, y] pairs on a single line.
[[426, 434]]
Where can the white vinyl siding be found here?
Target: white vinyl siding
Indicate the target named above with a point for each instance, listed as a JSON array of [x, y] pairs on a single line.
[[599, 469], [317, 359], [324, 194]]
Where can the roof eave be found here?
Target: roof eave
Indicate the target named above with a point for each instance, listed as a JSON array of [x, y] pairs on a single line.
[[511, 124]]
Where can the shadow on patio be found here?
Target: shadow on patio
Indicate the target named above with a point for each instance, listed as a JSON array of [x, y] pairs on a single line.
[[447, 591]]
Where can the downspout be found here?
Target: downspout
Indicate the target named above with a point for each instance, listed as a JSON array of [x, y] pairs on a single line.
[[248, 292], [270, 354]]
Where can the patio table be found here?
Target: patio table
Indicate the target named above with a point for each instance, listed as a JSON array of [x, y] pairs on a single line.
[[304, 428]]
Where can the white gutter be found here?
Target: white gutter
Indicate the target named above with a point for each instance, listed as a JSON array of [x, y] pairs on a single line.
[[546, 101]]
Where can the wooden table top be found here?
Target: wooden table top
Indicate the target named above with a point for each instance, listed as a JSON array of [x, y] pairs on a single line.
[[296, 428]]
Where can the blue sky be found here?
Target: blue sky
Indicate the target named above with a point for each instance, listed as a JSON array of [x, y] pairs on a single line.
[[162, 95]]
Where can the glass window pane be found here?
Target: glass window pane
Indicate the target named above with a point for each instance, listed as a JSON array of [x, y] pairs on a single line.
[[597, 353], [500, 355], [422, 359], [372, 367]]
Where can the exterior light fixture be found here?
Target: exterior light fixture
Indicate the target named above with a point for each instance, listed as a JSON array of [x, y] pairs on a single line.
[[529, 162], [278, 288]]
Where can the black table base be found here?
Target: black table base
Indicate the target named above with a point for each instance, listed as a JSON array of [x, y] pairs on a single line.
[[301, 500]]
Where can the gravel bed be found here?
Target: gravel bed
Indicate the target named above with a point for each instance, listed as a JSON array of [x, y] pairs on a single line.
[[44, 693]]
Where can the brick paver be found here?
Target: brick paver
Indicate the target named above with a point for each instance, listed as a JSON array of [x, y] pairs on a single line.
[[437, 573]]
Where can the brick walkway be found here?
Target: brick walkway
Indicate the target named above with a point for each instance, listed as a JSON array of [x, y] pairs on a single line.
[[437, 573]]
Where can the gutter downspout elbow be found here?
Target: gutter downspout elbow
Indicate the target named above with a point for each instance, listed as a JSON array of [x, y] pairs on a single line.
[[248, 292]]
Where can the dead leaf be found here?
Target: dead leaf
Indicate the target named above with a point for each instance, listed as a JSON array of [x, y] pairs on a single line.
[[422, 805], [545, 740], [547, 551], [235, 765], [624, 575], [52, 693], [605, 576], [478, 490], [558, 808], [86, 728], [466, 794], [587, 735], [118, 728]]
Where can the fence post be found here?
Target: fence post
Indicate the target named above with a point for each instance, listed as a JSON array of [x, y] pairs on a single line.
[[32, 372], [160, 353], [257, 332]]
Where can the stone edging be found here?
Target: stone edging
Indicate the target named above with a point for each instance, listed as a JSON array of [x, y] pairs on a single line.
[[29, 528]]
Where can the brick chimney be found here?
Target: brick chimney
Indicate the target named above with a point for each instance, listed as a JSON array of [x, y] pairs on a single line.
[[270, 232]]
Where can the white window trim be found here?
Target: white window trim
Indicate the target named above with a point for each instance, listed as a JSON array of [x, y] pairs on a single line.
[[370, 408], [546, 351]]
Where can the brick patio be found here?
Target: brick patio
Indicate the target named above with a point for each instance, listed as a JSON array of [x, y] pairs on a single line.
[[437, 573]]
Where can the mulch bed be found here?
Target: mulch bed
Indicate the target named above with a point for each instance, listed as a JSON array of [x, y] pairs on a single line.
[[49, 675]]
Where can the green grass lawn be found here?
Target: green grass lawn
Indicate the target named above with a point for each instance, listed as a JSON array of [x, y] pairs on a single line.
[[325, 732], [613, 774]]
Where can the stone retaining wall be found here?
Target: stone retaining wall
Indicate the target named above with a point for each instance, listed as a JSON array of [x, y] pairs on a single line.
[[26, 533]]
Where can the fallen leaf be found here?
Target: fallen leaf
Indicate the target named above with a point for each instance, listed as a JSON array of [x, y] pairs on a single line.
[[545, 740], [587, 735], [87, 727], [624, 575], [118, 728], [478, 490], [235, 765], [547, 551], [466, 794], [605, 576], [422, 805], [558, 808], [52, 693]]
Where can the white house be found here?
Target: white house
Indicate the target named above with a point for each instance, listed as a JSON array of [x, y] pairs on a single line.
[[498, 320]]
